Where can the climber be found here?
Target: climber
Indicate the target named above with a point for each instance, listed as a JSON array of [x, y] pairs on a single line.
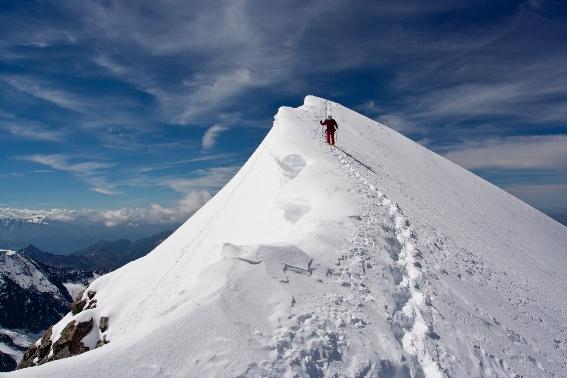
[[331, 128]]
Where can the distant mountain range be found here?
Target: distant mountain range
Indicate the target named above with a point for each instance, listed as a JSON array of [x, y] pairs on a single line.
[[102, 256], [64, 237], [32, 296], [36, 287]]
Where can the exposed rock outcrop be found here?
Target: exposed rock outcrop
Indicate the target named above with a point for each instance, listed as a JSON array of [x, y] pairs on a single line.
[[102, 341], [69, 341], [78, 306], [103, 324], [68, 344]]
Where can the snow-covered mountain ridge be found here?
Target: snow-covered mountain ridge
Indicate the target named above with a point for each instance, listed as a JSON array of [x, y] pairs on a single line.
[[376, 258]]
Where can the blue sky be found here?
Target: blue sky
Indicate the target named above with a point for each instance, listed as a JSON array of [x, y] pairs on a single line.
[[155, 105]]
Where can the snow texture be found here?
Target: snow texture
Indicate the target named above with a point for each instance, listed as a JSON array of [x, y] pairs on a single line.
[[374, 258], [24, 273]]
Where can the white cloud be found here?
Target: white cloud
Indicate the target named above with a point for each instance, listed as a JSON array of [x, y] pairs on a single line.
[[177, 163], [61, 162], [538, 190], [154, 214], [369, 107], [237, 54], [529, 152], [106, 62], [27, 129], [187, 205], [210, 91], [103, 190], [43, 91], [192, 201], [472, 100], [87, 171], [33, 132], [543, 196], [211, 135], [11, 174], [398, 122], [456, 94], [207, 179]]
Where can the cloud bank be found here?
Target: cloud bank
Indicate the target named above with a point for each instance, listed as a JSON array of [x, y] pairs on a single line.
[[153, 214]]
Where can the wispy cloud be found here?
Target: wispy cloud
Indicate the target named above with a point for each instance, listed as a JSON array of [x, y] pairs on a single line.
[[517, 97], [87, 171], [211, 135], [527, 152], [544, 196], [11, 175], [61, 162], [206, 179], [31, 131], [117, 76], [41, 90], [211, 91], [369, 107], [399, 122], [182, 162]]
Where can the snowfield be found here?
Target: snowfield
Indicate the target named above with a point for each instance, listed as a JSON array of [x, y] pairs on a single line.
[[374, 258]]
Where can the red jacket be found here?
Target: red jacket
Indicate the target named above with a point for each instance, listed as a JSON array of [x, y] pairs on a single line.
[[331, 125]]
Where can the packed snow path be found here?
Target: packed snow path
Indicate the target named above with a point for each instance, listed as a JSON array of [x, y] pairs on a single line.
[[407, 319], [317, 340], [374, 258]]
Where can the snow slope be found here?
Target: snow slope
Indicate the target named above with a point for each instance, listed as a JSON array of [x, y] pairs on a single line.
[[24, 273], [376, 258]]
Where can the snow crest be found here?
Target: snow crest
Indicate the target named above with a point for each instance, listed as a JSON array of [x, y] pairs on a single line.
[[374, 258]]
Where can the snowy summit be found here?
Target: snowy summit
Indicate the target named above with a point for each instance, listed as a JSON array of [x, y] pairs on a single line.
[[373, 258]]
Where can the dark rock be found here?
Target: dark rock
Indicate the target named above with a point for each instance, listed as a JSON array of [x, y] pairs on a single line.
[[69, 343], [82, 329], [28, 358], [62, 353], [102, 342], [91, 294], [91, 304], [64, 338], [40, 352], [47, 335], [103, 325], [78, 306], [44, 349], [44, 359]]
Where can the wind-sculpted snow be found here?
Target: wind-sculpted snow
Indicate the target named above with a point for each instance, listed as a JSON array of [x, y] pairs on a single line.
[[374, 258], [291, 165]]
